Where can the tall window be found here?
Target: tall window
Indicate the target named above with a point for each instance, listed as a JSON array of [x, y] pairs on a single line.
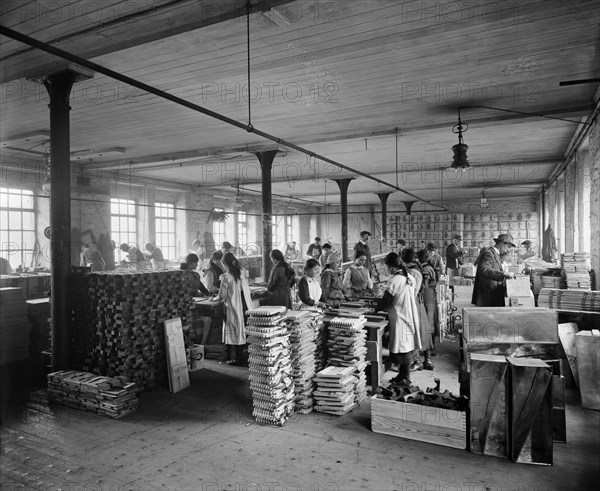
[[274, 225], [165, 229], [17, 226], [123, 228], [288, 229], [219, 231], [242, 233]]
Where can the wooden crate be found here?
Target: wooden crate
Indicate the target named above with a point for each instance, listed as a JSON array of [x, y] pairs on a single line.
[[510, 325], [422, 423], [588, 367]]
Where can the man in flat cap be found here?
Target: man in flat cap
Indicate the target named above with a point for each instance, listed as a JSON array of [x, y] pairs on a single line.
[[363, 246], [490, 288], [454, 257]]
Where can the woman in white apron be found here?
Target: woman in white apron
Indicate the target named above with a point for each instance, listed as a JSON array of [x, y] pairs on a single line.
[[235, 295], [309, 286], [399, 301]]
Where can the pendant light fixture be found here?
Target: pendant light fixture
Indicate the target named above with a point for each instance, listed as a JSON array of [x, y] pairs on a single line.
[[238, 201], [459, 160]]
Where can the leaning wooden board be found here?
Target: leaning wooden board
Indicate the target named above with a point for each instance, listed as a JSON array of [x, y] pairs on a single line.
[[176, 357], [422, 423]]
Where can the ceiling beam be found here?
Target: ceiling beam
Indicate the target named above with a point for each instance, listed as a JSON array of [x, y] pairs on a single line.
[[105, 29]]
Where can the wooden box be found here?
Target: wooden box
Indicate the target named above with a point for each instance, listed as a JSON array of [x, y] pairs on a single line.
[[587, 344], [510, 325], [422, 423]]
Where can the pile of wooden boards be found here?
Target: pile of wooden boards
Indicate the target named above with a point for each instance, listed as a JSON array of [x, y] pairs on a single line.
[[112, 397], [119, 318], [14, 325], [576, 266], [346, 347], [302, 330], [575, 300], [335, 392], [270, 365]]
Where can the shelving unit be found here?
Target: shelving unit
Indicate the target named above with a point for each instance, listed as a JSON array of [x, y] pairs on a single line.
[[436, 228]]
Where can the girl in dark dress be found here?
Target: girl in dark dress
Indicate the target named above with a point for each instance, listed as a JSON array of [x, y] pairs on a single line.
[[281, 281]]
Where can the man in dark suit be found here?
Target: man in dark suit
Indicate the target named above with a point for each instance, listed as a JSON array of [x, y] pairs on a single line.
[[363, 246], [454, 256], [490, 289]]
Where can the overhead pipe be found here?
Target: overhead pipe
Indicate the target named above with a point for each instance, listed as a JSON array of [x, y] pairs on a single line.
[[5, 31]]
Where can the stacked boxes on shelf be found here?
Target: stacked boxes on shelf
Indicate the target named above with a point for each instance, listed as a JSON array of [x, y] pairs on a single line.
[[438, 228], [270, 363], [118, 318]]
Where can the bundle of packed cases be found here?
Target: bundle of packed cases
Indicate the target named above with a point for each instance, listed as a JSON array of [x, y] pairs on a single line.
[[14, 326], [270, 365], [576, 267], [112, 397], [346, 348], [577, 300], [119, 318], [302, 328]]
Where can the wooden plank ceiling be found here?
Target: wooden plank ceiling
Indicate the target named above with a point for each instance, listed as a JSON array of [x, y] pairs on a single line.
[[374, 85]]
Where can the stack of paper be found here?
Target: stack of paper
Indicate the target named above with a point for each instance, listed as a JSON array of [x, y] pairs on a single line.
[[302, 339], [576, 267], [346, 346], [335, 390], [270, 365]]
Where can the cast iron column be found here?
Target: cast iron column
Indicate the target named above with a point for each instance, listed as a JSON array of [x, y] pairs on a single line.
[[59, 88], [343, 185], [383, 197], [266, 166]]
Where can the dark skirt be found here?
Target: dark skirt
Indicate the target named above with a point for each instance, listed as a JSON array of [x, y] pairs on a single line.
[[403, 358]]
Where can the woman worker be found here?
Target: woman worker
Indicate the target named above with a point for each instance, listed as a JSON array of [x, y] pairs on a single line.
[[399, 301], [331, 282], [212, 274], [281, 281], [357, 280], [235, 295], [309, 286]]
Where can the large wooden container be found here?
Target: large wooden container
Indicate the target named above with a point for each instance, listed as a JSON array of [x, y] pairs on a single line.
[[510, 325], [587, 344], [422, 423]]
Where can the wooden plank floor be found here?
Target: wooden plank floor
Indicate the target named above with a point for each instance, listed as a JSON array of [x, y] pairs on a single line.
[[204, 438]]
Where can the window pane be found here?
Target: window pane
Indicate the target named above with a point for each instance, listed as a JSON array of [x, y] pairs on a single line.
[[14, 200], [28, 221], [3, 198], [14, 220], [122, 224], [131, 225], [114, 207], [3, 239], [4, 220], [131, 209], [28, 200], [171, 226], [28, 240]]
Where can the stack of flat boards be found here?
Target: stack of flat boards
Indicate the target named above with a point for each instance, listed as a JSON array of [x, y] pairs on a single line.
[[14, 326], [112, 397], [270, 365], [576, 267], [119, 320], [335, 393], [553, 281], [320, 340], [303, 348], [576, 300], [346, 346]]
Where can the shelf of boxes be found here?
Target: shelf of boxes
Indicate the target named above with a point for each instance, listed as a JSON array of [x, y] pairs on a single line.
[[438, 228]]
